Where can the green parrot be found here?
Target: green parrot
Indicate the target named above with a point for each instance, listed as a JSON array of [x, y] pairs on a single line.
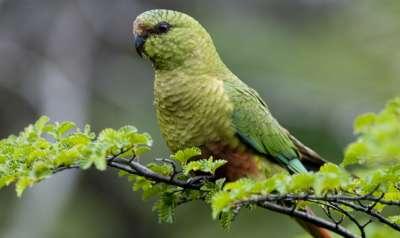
[[200, 102]]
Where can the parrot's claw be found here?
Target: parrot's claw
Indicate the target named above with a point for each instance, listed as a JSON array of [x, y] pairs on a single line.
[[175, 167], [197, 181]]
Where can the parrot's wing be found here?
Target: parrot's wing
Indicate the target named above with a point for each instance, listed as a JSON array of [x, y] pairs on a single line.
[[255, 126], [311, 159]]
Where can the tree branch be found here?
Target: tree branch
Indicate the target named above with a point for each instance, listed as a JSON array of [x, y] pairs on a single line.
[[307, 217], [273, 201], [134, 167]]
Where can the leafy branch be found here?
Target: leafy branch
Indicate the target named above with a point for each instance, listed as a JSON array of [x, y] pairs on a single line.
[[370, 198], [269, 202]]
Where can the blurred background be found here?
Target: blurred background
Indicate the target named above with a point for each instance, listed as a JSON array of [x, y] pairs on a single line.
[[318, 63]]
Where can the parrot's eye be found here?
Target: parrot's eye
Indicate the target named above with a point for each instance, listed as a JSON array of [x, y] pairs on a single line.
[[162, 27]]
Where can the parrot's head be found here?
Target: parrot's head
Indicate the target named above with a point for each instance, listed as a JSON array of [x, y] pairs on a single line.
[[169, 38]]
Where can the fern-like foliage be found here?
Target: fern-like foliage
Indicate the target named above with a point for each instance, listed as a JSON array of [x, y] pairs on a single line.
[[43, 147]]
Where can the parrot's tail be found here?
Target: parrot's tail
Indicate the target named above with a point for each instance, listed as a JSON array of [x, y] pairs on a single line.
[[313, 230]]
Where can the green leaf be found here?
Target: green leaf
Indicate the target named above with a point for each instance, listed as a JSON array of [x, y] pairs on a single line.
[[164, 169], [42, 170], [394, 219], [41, 123], [378, 141], [277, 183], [302, 182], [6, 180], [207, 166], [183, 156], [221, 202], [22, 184], [330, 178], [226, 219], [165, 207], [140, 183], [65, 127], [355, 154], [139, 150], [364, 122], [143, 139]]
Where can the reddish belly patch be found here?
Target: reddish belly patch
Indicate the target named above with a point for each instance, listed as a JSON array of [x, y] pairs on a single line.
[[241, 162]]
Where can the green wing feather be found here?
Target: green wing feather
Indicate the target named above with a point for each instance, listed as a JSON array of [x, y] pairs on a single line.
[[258, 128]]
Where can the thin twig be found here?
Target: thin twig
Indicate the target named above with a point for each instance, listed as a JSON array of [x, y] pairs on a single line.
[[371, 213], [328, 198], [136, 168], [352, 218], [308, 218]]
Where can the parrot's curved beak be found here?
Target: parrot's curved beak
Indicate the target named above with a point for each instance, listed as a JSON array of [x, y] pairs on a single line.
[[139, 36], [139, 43]]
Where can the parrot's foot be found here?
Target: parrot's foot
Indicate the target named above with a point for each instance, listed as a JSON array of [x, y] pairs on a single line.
[[172, 163], [199, 180], [175, 170]]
